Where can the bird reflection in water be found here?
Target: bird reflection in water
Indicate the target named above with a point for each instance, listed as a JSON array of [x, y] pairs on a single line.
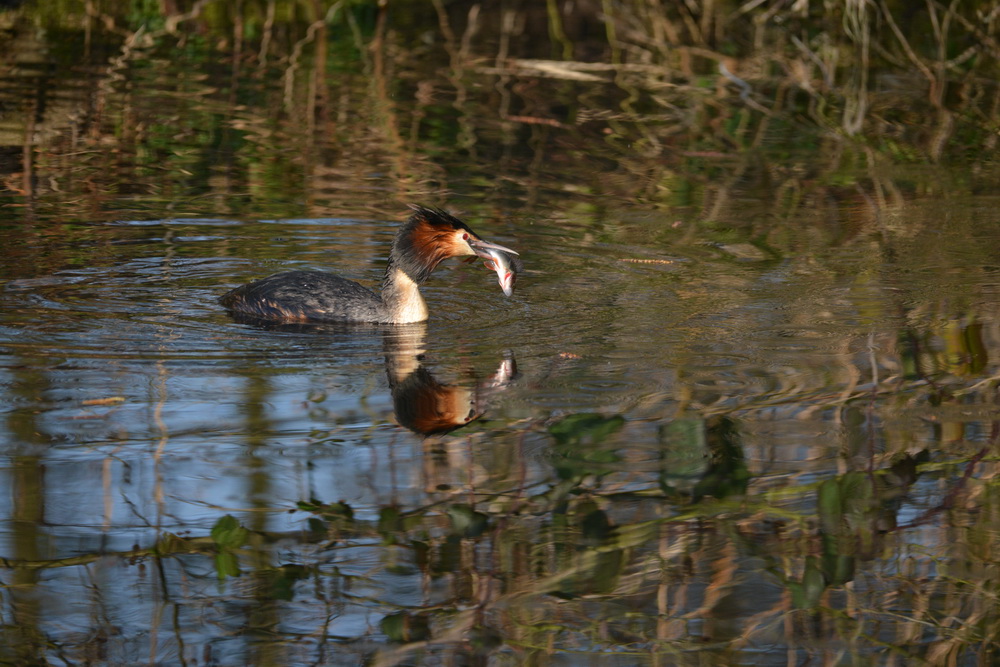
[[421, 402], [434, 409]]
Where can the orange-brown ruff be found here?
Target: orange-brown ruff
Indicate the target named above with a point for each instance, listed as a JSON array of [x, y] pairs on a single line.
[[426, 239]]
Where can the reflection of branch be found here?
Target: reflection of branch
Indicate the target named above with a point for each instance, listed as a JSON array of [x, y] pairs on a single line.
[[168, 545], [823, 68], [994, 379], [745, 90], [28, 156], [459, 57], [909, 51], [949, 499], [459, 626], [856, 25], [170, 23], [296, 54], [983, 37], [267, 34]]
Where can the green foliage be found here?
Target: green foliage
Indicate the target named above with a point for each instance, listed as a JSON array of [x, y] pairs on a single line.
[[579, 438], [232, 113], [336, 511], [227, 533], [227, 565], [390, 523], [807, 593], [585, 429], [229, 536], [404, 627], [727, 473], [282, 581]]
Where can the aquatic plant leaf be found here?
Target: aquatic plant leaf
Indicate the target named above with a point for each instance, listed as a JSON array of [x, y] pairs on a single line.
[[858, 488], [727, 473], [829, 505], [596, 526], [838, 569], [586, 428], [390, 523], [807, 594], [404, 628], [227, 533], [312, 505], [976, 349], [577, 436], [283, 583], [589, 572], [339, 509], [722, 480], [227, 565], [335, 510], [798, 597], [317, 526], [449, 556]]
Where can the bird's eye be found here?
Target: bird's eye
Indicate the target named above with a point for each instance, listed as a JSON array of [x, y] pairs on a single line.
[[465, 237]]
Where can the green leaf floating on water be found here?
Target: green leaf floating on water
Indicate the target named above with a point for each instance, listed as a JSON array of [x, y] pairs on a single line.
[[227, 533], [226, 565], [585, 428], [403, 628], [283, 581], [390, 523], [807, 594], [577, 441]]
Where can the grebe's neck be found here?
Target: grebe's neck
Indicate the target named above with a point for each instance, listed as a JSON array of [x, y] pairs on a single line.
[[401, 296], [426, 239]]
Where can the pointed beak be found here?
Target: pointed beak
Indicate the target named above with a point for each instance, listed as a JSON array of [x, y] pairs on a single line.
[[482, 248]]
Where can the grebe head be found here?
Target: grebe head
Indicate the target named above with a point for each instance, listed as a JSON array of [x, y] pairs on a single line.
[[431, 236]]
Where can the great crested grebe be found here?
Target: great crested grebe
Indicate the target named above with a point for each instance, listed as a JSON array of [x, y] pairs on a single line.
[[427, 238]]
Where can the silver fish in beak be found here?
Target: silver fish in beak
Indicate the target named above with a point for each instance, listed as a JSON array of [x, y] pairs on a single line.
[[507, 267]]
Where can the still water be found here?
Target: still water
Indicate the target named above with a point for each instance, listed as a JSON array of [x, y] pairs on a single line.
[[650, 449], [741, 408]]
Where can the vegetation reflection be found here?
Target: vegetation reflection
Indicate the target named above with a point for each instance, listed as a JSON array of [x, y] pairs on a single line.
[[802, 184]]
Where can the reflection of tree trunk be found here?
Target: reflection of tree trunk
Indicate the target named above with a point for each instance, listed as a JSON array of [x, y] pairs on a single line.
[[458, 55], [723, 194], [28, 158], [27, 495], [262, 617], [28, 516], [942, 133], [319, 90], [858, 27], [991, 139], [265, 38], [385, 110]]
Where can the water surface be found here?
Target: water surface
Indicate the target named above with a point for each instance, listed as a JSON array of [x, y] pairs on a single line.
[[741, 408]]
